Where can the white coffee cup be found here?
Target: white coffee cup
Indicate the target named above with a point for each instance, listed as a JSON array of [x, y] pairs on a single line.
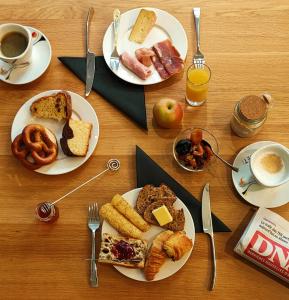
[[25, 56], [270, 165]]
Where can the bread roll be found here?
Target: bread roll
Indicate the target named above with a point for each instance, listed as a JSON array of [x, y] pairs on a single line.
[[177, 245], [156, 256], [118, 221], [125, 209]]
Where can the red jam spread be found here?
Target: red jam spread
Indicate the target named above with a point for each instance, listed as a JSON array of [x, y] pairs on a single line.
[[123, 250]]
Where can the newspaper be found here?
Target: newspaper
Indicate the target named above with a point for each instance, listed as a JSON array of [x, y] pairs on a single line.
[[265, 242]]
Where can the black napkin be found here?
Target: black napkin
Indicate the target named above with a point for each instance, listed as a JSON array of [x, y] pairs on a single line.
[[127, 97], [148, 172]]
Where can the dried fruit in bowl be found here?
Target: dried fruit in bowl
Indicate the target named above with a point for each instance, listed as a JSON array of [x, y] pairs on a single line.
[[194, 152]]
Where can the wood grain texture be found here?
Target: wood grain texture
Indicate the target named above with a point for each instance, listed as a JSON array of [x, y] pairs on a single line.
[[246, 43]]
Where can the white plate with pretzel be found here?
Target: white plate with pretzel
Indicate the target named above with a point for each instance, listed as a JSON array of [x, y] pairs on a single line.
[[81, 110]]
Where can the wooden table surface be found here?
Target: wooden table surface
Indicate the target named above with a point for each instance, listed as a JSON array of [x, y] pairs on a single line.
[[246, 44]]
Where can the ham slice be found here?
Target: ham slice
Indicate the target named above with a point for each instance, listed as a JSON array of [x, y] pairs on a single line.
[[169, 57], [160, 67], [135, 66], [143, 55]]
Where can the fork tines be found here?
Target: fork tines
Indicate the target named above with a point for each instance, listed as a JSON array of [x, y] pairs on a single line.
[[199, 63], [93, 212]]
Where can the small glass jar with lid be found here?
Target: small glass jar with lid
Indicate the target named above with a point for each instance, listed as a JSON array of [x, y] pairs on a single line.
[[250, 114]]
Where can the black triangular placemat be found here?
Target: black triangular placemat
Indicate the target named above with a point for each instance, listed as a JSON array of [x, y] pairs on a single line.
[[149, 172], [127, 97]]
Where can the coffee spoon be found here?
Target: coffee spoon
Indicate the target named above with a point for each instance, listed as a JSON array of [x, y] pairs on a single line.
[[13, 67]]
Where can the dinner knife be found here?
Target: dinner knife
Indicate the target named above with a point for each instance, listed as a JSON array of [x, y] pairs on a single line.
[[90, 57], [208, 227]]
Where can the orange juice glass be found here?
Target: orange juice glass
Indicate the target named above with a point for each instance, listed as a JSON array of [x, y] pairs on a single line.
[[198, 77]]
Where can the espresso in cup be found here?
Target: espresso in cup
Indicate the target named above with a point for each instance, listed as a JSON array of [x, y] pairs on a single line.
[[13, 44]]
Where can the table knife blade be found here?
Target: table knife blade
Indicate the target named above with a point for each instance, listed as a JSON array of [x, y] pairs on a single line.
[[208, 227]]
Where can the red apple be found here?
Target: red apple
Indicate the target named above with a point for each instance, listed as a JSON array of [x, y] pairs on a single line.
[[168, 113]]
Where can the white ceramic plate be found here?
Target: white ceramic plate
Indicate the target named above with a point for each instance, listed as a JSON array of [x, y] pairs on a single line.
[[166, 26], [170, 267], [81, 109], [257, 194], [41, 57]]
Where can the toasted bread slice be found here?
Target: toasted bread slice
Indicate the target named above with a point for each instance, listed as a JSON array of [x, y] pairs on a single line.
[[143, 25], [56, 106], [126, 252], [148, 215]]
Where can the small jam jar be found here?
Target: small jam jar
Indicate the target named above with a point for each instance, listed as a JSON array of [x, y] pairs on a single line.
[[46, 212], [250, 114]]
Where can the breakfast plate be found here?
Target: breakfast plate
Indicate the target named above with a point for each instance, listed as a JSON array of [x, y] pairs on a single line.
[[257, 194], [166, 27], [170, 267], [40, 60], [81, 109]]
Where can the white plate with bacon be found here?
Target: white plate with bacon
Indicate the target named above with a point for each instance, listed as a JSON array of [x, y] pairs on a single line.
[[167, 39]]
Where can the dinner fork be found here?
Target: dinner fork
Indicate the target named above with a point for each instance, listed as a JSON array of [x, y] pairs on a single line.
[[198, 59], [93, 225], [114, 57]]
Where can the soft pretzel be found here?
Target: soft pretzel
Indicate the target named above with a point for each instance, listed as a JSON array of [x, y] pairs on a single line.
[[18, 147], [37, 140], [34, 147]]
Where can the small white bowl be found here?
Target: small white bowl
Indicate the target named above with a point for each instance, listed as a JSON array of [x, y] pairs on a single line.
[[270, 165]]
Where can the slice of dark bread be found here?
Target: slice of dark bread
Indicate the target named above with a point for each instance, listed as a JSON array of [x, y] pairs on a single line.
[[148, 215], [143, 199], [178, 222], [75, 137]]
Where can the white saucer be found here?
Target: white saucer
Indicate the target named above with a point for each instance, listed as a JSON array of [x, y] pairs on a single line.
[[81, 109], [170, 267], [167, 26], [257, 194], [40, 60]]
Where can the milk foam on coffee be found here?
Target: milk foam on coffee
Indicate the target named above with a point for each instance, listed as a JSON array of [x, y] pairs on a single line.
[[270, 167], [265, 242]]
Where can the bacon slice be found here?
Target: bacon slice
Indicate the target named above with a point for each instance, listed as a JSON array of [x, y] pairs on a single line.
[[135, 66], [143, 55], [160, 67], [169, 56]]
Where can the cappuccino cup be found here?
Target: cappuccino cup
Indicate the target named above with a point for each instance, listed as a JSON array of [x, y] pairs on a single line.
[[15, 43], [270, 165]]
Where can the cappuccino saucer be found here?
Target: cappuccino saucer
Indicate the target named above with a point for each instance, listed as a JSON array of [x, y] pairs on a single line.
[[257, 194], [40, 60]]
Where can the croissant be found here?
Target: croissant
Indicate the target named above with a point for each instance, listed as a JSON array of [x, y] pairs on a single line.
[[177, 245], [156, 255]]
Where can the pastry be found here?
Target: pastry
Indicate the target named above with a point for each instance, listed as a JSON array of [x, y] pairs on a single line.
[[126, 210], [143, 25], [56, 106], [35, 147], [118, 221], [75, 137], [177, 245], [156, 255], [126, 252]]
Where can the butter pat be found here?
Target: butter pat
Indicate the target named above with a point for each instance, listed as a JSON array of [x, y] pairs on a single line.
[[162, 215]]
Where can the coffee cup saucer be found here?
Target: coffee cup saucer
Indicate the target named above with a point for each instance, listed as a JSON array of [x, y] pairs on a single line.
[[40, 60], [257, 194]]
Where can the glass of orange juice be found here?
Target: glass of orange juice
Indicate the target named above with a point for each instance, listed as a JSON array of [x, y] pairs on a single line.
[[198, 77]]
